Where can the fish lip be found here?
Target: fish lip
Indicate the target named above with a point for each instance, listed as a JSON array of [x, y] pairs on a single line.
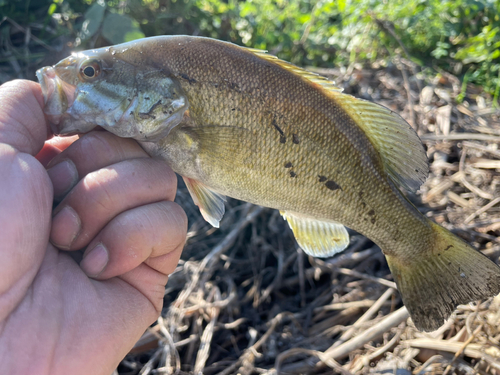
[[46, 75], [47, 79], [58, 96]]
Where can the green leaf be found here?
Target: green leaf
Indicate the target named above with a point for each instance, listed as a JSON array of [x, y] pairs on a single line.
[[119, 28], [93, 19], [52, 8], [341, 4]]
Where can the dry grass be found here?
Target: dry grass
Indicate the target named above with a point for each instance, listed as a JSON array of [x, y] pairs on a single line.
[[246, 300]]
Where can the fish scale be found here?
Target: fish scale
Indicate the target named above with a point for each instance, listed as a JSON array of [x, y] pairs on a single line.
[[238, 122], [263, 180], [256, 171]]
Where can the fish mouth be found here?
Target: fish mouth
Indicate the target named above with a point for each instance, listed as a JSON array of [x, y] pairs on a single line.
[[58, 96]]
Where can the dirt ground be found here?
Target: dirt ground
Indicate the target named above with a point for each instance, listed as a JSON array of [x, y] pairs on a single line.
[[245, 300]]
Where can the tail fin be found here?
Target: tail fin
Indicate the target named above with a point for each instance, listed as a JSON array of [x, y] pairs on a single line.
[[449, 274]]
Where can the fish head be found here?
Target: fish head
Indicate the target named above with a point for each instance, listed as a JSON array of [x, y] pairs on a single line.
[[122, 95]]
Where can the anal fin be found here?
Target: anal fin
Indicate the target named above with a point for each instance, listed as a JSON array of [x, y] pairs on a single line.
[[317, 238], [210, 203]]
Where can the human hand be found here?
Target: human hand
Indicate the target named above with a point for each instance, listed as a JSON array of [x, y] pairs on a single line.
[[56, 316]]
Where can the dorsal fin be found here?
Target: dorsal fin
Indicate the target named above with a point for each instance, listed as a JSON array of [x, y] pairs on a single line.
[[398, 144], [396, 141], [313, 77]]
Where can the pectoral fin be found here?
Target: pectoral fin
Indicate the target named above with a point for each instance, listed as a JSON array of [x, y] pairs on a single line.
[[211, 204], [317, 238]]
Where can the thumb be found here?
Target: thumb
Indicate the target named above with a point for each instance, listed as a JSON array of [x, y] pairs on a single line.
[[22, 122], [25, 191]]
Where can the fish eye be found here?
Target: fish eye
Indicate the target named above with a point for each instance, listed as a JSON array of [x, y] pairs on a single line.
[[90, 69]]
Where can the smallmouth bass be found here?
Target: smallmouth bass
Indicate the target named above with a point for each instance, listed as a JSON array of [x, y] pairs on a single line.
[[237, 122]]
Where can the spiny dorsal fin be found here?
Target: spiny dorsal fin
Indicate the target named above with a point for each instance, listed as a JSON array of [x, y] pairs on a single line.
[[398, 144], [317, 238], [211, 204], [396, 141], [313, 77]]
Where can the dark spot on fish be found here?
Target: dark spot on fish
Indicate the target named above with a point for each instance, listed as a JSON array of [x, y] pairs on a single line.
[[295, 139], [371, 212], [153, 107], [145, 116], [322, 178], [372, 220], [449, 246], [282, 139], [147, 98], [439, 254], [190, 80], [288, 165], [131, 113], [363, 204], [332, 185], [278, 128], [234, 86], [293, 174], [233, 109]]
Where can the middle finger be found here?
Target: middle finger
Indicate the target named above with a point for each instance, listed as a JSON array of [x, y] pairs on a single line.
[[91, 152], [103, 194]]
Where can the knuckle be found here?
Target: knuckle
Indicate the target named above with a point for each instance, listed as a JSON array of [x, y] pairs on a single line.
[[98, 191], [93, 145], [180, 216], [177, 222], [166, 172]]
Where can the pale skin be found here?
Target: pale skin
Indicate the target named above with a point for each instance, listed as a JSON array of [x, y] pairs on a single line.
[[59, 315]]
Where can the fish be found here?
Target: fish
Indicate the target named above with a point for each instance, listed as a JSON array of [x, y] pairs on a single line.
[[239, 122]]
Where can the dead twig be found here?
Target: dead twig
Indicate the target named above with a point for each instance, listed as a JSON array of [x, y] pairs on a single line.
[[471, 350], [365, 317], [481, 210], [460, 351], [343, 350], [206, 337], [460, 137]]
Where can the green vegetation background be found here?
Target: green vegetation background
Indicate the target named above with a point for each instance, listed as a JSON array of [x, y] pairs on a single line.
[[461, 37]]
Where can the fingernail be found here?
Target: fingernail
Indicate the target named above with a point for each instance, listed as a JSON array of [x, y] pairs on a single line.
[[93, 262], [66, 226], [63, 176]]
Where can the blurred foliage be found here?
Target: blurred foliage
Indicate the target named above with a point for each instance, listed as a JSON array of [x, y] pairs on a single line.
[[459, 36]]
